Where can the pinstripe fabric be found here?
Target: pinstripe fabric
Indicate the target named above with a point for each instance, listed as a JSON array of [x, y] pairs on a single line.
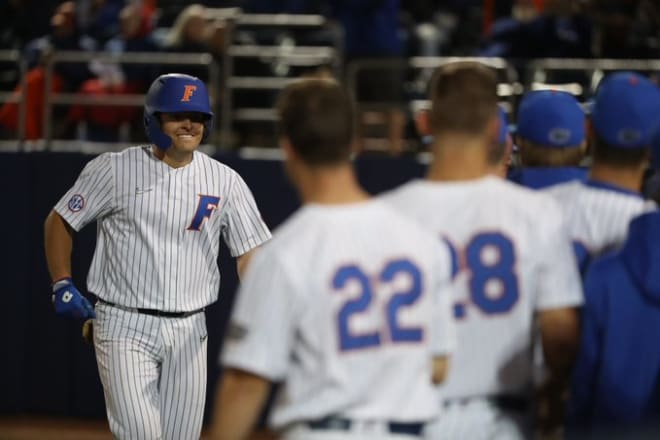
[[158, 240], [598, 215], [145, 254], [145, 401]]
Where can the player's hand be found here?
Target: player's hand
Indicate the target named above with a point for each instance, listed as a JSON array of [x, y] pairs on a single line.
[[68, 301]]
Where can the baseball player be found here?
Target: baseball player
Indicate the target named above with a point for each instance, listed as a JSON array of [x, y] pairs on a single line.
[[615, 391], [348, 305], [515, 263], [550, 135], [161, 210], [599, 210]]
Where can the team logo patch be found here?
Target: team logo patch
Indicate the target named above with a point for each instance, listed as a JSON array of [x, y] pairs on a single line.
[[629, 136], [559, 136], [188, 90], [76, 203]]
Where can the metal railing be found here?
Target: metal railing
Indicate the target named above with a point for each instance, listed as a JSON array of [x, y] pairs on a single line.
[[18, 96], [137, 100]]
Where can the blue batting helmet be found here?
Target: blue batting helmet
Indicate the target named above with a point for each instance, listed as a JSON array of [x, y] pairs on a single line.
[[173, 93]]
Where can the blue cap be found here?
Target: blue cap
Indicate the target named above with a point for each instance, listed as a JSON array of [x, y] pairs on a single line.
[[626, 107], [551, 118]]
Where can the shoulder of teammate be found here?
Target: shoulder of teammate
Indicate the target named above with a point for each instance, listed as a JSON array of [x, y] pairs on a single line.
[[401, 196], [423, 242]]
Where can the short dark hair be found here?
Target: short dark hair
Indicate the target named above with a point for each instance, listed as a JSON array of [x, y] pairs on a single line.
[[617, 157], [535, 155], [317, 116], [463, 97]]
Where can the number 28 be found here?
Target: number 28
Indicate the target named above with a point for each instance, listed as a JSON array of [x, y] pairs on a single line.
[[394, 332], [490, 260]]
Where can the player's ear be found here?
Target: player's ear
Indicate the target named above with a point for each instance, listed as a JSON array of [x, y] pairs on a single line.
[[286, 147], [423, 123]]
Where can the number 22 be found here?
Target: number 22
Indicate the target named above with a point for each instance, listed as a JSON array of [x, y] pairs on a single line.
[[397, 334]]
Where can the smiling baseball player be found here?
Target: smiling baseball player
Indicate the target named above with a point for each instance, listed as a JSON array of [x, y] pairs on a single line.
[[161, 210]]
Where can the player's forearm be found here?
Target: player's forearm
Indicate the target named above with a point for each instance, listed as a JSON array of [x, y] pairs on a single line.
[[239, 399], [58, 243], [560, 335], [242, 262]]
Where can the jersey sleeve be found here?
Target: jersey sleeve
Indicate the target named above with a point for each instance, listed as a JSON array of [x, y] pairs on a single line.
[[443, 332], [243, 228], [91, 196], [262, 325], [558, 282]]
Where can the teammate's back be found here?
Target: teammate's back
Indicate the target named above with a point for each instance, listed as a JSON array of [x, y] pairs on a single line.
[[348, 306], [513, 256], [597, 215], [363, 280], [625, 110]]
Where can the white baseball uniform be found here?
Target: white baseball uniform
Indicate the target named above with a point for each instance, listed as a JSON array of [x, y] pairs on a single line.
[[514, 258], [597, 215], [158, 239], [347, 305]]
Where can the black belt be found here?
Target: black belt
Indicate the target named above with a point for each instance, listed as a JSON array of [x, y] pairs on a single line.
[[153, 312], [341, 424]]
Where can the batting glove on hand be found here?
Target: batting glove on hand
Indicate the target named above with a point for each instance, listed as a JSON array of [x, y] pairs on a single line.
[[69, 301]]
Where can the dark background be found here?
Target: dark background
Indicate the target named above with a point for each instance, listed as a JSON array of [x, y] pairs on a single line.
[[45, 367]]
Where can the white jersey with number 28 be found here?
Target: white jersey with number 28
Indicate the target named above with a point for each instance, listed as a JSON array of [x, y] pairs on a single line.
[[513, 258]]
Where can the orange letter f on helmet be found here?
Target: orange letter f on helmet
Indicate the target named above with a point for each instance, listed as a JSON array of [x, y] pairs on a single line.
[[188, 92]]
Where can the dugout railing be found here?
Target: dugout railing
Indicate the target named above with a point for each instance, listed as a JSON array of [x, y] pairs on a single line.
[[12, 60]]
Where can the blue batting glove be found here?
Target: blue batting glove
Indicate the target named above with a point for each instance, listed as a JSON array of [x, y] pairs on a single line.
[[69, 301]]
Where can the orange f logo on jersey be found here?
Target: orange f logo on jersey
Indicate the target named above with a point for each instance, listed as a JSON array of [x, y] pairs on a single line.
[[188, 92]]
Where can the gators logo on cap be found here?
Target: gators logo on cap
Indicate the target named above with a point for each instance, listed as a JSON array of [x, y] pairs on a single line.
[[559, 136], [188, 91]]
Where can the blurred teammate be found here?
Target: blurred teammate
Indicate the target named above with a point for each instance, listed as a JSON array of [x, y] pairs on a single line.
[[550, 138], [161, 210], [348, 305], [515, 261], [651, 187], [599, 210], [615, 392]]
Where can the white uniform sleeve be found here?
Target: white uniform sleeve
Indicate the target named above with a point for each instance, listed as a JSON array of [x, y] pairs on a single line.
[[558, 284], [443, 333], [92, 196], [263, 321], [243, 228]]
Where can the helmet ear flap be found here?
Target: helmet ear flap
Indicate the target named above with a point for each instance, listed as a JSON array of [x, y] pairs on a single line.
[[154, 132]]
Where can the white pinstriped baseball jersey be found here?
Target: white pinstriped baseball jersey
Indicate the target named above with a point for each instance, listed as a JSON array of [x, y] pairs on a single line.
[[346, 304], [597, 215], [514, 258], [159, 227]]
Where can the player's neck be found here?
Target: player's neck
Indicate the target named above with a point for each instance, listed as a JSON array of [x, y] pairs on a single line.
[[459, 158], [173, 158], [626, 178], [329, 185]]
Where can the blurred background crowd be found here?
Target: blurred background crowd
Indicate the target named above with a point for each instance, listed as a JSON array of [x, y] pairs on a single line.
[[377, 37]]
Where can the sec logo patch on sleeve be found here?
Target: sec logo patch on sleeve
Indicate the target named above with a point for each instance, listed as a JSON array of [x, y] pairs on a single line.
[[76, 203]]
